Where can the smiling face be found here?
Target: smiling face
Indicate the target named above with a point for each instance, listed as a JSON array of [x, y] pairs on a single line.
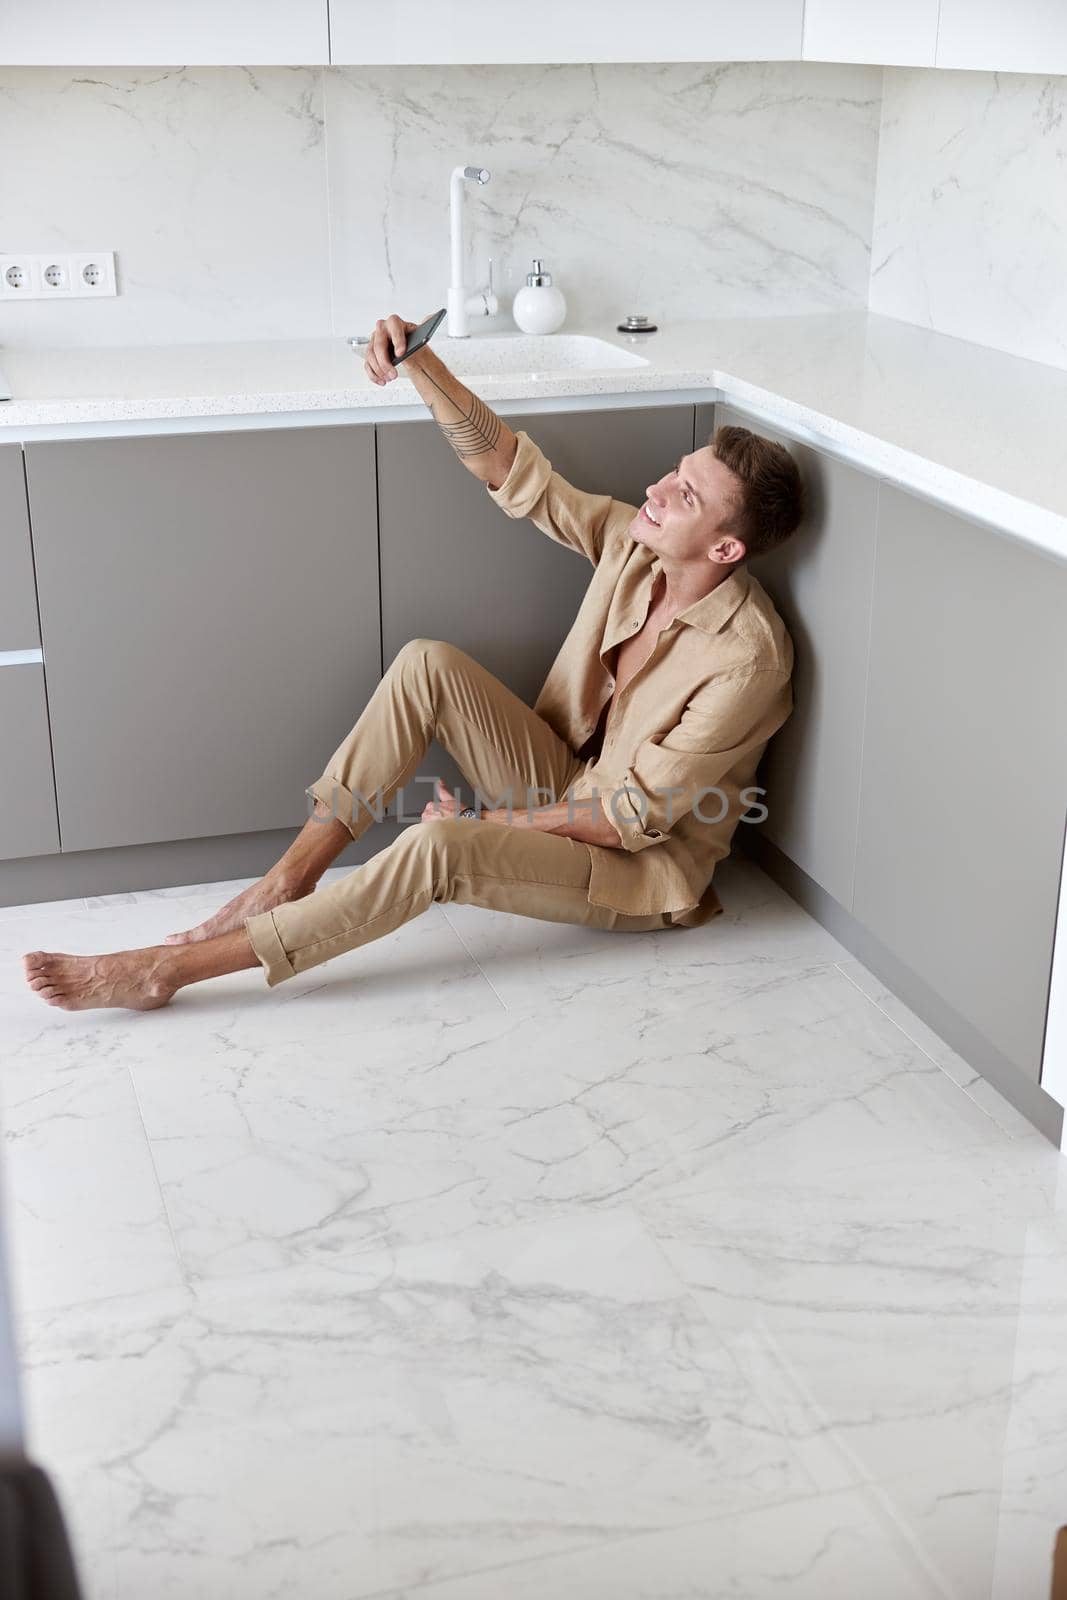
[[684, 511]]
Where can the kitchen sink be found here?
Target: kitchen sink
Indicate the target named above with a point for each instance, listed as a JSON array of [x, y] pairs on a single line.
[[530, 355]]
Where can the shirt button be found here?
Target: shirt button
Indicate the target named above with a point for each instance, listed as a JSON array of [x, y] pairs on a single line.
[[636, 623]]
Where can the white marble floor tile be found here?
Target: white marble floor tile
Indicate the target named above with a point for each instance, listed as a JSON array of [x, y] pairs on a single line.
[[299, 1142], [434, 1412], [802, 1073], [85, 1216], [14, 913], [283, 1135]]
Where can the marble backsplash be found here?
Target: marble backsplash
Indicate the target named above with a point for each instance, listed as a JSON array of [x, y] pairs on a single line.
[[276, 203], [298, 202], [970, 234]]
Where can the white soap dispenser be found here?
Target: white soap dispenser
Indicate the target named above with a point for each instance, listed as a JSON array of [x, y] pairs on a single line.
[[539, 308]]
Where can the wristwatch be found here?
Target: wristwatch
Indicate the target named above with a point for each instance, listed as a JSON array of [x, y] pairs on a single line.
[[468, 811]]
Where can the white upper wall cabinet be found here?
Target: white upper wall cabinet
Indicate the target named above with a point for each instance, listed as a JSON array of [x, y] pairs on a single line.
[[473, 32], [132, 33], [891, 33], [983, 35], [994, 36]]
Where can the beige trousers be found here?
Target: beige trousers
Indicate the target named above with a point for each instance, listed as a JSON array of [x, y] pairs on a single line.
[[504, 749]]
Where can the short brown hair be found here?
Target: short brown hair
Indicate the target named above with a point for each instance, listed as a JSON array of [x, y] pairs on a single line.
[[770, 505]]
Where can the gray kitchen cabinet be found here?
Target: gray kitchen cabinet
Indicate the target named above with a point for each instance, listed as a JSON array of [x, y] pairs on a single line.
[[27, 794], [456, 567], [964, 780], [209, 613], [820, 581], [18, 600]]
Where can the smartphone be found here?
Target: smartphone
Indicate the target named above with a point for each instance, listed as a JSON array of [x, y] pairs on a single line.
[[420, 335]]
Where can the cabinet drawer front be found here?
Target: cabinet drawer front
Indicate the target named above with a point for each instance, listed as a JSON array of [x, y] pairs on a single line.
[[18, 598], [28, 824], [209, 605]]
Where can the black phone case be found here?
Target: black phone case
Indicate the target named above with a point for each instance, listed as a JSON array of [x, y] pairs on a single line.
[[430, 326]]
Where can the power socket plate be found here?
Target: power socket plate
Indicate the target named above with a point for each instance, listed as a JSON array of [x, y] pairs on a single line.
[[58, 275]]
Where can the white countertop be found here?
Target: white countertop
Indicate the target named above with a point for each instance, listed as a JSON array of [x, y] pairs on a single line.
[[972, 428]]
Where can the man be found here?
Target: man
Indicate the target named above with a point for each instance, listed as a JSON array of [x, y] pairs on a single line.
[[646, 735]]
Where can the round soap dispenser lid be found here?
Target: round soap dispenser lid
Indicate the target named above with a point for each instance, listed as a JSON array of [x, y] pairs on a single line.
[[538, 276]]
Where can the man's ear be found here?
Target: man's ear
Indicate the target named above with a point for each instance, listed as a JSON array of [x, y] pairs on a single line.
[[728, 549]]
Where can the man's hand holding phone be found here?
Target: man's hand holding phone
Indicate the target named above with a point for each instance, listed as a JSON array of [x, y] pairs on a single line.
[[395, 340]]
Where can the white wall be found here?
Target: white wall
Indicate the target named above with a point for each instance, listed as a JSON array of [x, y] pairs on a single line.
[[300, 202]]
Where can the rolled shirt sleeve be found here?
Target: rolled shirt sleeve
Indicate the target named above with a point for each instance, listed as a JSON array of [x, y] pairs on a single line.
[[673, 773], [568, 515]]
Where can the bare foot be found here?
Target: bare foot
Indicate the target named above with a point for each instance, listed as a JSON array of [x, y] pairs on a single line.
[[136, 979], [269, 892]]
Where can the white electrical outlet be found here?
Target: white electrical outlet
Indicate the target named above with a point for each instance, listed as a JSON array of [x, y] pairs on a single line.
[[55, 276], [93, 273], [88, 274], [16, 278]]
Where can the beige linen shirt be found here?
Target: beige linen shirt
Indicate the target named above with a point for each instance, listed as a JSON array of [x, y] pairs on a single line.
[[686, 735]]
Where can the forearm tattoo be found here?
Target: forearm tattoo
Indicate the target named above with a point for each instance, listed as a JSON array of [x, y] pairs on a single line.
[[477, 434]]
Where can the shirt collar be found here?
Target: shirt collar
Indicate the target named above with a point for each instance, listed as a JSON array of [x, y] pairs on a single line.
[[711, 613]]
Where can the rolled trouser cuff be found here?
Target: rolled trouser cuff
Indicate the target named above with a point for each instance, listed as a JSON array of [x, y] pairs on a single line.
[[268, 948], [342, 805]]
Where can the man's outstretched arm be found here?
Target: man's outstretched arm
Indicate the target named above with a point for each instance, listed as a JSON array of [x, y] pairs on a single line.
[[482, 440], [518, 476]]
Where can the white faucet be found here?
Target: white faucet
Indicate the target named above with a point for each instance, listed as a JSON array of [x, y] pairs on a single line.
[[461, 305]]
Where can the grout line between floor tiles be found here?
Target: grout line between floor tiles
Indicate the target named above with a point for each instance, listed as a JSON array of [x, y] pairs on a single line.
[[861, 1482], [155, 1173], [474, 958], [725, 1344], [864, 1484]]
